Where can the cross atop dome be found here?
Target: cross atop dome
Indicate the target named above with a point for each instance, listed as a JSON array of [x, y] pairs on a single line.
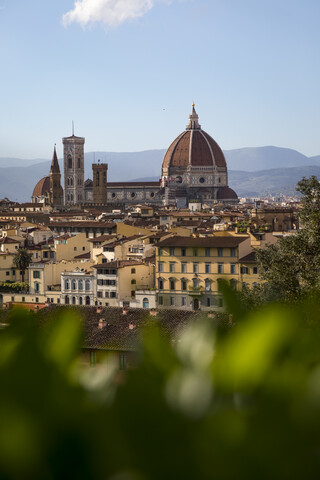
[[193, 120]]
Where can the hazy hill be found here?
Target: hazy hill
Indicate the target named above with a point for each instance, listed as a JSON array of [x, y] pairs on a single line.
[[252, 171]]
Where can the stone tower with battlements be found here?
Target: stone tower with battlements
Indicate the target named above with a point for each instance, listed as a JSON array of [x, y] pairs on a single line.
[[73, 169], [55, 190], [100, 182]]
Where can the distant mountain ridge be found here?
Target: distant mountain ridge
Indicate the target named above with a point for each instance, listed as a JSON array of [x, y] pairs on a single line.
[[253, 171]]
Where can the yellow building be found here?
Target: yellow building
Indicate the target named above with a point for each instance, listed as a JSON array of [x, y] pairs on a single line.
[[188, 269], [68, 246]]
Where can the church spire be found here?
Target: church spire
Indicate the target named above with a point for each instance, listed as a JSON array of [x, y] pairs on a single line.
[[193, 120], [54, 164]]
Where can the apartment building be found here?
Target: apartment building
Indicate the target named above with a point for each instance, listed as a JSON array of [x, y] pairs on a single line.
[[188, 269]]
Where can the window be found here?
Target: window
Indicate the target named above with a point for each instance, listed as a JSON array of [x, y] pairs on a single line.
[[195, 283], [79, 163], [160, 266], [208, 302], [183, 252], [133, 293], [207, 267], [255, 270], [66, 300], [80, 301], [207, 285], [133, 281], [183, 267], [36, 287], [171, 251], [244, 270], [13, 272], [195, 267], [220, 252], [69, 161], [183, 284], [171, 301], [100, 294], [23, 299], [220, 267], [66, 285], [73, 285], [172, 284], [7, 274], [73, 300], [220, 302], [160, 251], [80, 285], [145, 303], [183, 301], [171, 267], [74, 249], [195, 252], [106, 294], [160, 300], [207, 252], [37, 299], [87, 284], [232, 268], [114, 294], [133, 270], [160, 283], [232, 252]]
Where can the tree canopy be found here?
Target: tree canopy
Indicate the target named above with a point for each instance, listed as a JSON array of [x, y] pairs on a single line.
[[22, 260], [290, 269]]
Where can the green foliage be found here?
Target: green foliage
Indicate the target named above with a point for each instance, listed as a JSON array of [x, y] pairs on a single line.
[[14, 286], [22, 260], [290, 268], [243, 405]]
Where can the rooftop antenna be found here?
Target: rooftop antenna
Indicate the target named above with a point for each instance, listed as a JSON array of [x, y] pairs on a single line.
[[72, 128]]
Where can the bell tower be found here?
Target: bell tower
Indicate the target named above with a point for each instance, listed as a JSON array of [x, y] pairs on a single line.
[[55, 191], [99, 171], [73, 169]]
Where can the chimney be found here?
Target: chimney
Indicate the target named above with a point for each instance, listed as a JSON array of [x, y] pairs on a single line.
[[102, 323], [131, 326]]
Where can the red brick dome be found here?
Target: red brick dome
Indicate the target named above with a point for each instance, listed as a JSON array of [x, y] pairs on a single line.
[[42, 187], [194, 147]]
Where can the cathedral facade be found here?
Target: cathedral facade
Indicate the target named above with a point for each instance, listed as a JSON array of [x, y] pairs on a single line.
[[193, 169]]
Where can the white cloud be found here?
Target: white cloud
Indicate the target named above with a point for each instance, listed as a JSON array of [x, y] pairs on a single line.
[[109, 12]]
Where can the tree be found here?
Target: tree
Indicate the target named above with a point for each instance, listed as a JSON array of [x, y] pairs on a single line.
[[290, 268], [22, 260]]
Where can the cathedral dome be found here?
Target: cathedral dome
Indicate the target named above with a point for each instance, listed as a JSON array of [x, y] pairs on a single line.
[[194, 148], [42, 188], [226, 193]]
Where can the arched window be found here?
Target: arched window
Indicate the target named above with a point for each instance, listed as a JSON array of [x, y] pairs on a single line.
[[87, 300], [80, 285], [69, 161], [97, 179], [195, 282], [207, 283], [87, 284], [145, 303], [183, 284], [73, 300], [79, 162], [80, 300], [73, 285], [66, 285], [71, 181], [160, 283], [66, 300], [172, 283]]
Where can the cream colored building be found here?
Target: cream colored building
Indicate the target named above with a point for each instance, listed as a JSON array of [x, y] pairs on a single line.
[[68, 247], [188, 269]]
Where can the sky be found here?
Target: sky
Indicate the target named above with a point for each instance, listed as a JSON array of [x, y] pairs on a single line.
[[127, 72]]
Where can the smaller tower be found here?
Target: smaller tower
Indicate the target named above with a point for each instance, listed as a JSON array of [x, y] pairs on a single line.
[[73, 162], [100, 182], [55, 191]]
